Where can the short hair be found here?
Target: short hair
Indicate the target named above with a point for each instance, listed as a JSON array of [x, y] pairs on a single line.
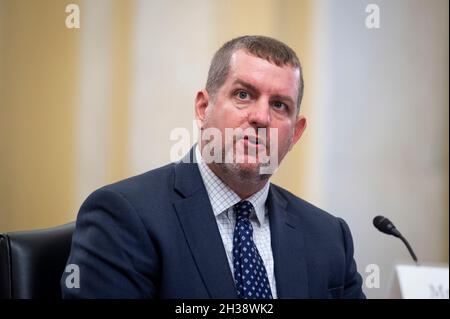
[[267, 48]]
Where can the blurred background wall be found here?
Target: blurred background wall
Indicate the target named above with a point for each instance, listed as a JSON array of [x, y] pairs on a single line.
[[80, 108], [39, 80], [382, 98]]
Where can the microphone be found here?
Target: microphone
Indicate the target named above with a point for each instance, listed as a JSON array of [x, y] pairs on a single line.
[[384, 225]]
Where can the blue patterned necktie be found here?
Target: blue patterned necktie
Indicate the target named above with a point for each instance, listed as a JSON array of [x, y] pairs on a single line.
[[250, 274]]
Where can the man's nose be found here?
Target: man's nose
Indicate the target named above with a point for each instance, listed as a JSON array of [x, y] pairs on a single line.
[[259, 114]]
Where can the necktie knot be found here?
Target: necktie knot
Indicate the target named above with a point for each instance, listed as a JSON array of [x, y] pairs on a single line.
[[243, 209]]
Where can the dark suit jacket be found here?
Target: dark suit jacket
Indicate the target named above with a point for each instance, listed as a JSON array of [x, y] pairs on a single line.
[[155, 236]]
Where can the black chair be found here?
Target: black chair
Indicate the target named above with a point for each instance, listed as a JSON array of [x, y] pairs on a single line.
[[32, 262]]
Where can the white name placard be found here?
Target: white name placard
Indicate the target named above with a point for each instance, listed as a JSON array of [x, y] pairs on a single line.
[[421, 282]]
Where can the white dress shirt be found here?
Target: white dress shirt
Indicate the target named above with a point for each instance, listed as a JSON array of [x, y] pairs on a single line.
[[222, 199]]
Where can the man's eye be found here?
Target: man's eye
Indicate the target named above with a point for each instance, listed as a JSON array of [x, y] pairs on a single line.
[[242, 95], [279, 105]]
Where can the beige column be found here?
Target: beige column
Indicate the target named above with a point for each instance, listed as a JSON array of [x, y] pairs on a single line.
[[38, 90]]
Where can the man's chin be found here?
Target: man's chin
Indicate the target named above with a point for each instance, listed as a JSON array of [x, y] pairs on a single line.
[[248, 171], [248, 167]]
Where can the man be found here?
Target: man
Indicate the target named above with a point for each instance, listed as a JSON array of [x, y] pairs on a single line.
[[213, 226]]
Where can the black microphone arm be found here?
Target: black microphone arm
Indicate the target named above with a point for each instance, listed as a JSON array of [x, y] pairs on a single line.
[[384, 225]]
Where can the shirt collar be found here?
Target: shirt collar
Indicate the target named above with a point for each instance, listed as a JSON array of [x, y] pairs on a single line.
[[223, 197]]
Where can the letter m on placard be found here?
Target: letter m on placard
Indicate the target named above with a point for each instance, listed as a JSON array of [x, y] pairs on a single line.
[[73, 277]]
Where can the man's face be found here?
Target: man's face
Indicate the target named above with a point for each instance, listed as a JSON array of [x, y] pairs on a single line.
[[256, 95]]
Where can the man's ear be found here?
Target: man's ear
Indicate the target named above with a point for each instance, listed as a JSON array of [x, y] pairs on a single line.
[[300, 126], [201, 104]]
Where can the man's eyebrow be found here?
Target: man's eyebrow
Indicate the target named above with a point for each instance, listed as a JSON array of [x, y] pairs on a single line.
[[246, 85]]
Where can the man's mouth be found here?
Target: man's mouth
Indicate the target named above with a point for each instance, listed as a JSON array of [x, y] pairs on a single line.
[[254, 140]]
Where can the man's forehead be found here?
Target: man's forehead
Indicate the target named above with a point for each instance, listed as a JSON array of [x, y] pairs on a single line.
[[255, 70], [242, 56]]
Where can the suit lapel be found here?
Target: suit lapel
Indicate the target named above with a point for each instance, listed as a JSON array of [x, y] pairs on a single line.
[[288, 249], [200, 229]]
